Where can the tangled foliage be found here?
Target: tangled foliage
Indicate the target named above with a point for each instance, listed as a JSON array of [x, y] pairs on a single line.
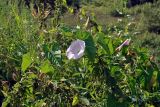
[[132, 3], [44, 9], [152, 18], [35, 71]]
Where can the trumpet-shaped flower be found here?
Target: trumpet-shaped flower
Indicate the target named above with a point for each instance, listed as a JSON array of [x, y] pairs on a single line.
[[125, 43], [76, 49]]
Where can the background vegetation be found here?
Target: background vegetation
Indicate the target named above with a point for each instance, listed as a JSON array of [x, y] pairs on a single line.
[[34, 69]]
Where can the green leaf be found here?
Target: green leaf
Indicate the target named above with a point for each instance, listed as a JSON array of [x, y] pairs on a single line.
[[84, 101], [26, 61], [90, 48], [106, 43], [110, 46], [114, 102], [40, 103], [53, 53], [82, 35], [132, 85], [6, 102], [75, 100], [46, 67]]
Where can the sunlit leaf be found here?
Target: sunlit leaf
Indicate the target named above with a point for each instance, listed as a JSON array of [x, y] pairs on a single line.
[[106, 43], [110, 46], [40, 103], [84, 101], [26, 61], [75, 100], [46, 67], [82, 35]]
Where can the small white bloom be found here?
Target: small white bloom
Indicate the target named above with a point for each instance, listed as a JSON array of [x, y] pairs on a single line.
[[19, 53], [78, 27], [45, 31], [128, 15], [76, 49], [38, 45], [119, 20], [42, 53]]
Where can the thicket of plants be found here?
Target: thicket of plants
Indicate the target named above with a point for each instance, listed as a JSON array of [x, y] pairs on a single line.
[[46, 63], [152, 18]]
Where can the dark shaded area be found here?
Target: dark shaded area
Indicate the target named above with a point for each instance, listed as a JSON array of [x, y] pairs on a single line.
[[1, 100], [73, 3], [132, 3], [47, 8], [155, 29], [152, 19]]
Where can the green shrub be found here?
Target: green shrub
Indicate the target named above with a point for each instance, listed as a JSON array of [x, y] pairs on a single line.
[[152, 18], [110, 73]]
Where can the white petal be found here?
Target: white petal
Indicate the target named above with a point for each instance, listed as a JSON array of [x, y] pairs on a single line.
[[70, 55], [76, 49]]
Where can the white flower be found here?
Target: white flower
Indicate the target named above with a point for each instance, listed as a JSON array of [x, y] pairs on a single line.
[[119, 20], [76, 49], [78, 27], [42, 53], [125, 43]]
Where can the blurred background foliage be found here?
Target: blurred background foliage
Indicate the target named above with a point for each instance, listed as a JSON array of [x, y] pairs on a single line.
[[35, 72]]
